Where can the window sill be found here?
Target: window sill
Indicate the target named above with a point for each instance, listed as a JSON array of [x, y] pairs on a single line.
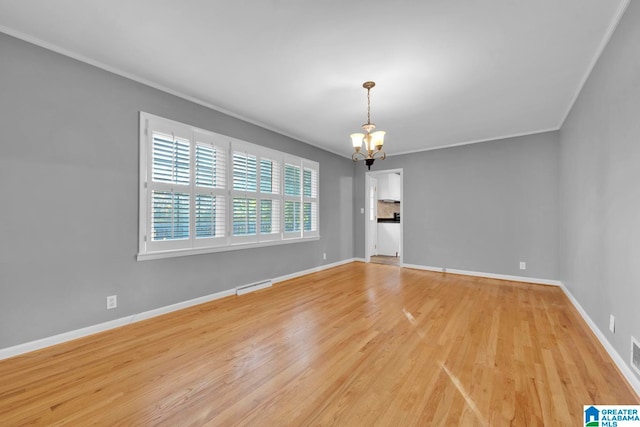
[[234, 247]]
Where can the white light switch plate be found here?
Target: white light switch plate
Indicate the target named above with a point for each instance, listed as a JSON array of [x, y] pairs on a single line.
[[612, 323]]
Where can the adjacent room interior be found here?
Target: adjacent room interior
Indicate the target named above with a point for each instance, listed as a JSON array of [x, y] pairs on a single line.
[[197, 228]]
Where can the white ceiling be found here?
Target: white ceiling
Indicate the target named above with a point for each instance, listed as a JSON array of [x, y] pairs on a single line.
[[447, 72]]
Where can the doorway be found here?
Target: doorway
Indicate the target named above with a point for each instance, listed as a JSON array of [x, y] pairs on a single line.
[[384, 207]]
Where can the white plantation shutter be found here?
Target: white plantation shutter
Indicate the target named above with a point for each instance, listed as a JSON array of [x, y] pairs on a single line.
[[169, 202], [202, 192], [310, 199], [245, 171], [309, 217], [257, 199], [292, 197], [269, 176], [292, 217], [291, 179], [169, 216], [301, 204], [170, 159], [167, 193], [245, 216], [244, 210], [210, 216], [269, 218], [210, 208], [310, 182], [270, 197], [211, 165]]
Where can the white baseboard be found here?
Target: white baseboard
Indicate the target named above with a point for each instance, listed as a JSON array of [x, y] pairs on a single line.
[[633, 380], [312, 270], [252, 287], [181, 305], [19, 349], [626, 371], [423, 267], [487, 275], [90, 330]]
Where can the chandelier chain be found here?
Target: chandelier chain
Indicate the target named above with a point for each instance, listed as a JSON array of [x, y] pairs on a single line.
[[369, 106], [371, 142]]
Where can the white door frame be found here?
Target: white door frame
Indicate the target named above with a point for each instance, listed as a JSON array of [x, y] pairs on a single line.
[[372, 225], [367, 184]]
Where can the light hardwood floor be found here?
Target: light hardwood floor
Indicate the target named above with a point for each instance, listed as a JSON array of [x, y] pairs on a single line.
[[387, 260], [357, 345]]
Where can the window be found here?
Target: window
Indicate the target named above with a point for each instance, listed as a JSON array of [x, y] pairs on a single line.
[[202, 192], [256, 193], [270, 198], [210, 188], [244, 193], [310, 198], [292, 199]]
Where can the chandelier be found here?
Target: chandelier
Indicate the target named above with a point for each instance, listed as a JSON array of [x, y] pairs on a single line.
[[372, 141]]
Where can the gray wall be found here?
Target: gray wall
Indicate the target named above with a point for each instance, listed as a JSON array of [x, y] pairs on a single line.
[[69, 179], [69, 210], [600, 172], [481, 207]]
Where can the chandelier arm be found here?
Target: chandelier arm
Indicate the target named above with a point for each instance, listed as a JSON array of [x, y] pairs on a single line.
[[382, 156], [355, 156]]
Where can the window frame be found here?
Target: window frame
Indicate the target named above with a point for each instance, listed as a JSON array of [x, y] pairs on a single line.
[[192, 245]]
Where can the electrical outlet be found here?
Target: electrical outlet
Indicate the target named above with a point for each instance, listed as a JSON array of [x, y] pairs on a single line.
[[324, 255], [612, 324], [361, 210], [523, 265], [112, 302]]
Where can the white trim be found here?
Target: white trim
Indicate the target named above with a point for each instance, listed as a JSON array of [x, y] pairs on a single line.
[[19, 349], [78, 57], [633, 381], [252, 287], [313, 270], [367, 207], [603, 44], [423, 267], [367, 179], [476, 141], [212, 249], [181, 305], [487, 275], [229, 146], [143, 158]]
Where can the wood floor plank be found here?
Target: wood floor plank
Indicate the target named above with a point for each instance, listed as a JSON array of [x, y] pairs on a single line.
[[359, 344]]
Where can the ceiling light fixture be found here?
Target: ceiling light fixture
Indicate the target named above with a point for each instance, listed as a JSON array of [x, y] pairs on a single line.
[[372, 141]]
